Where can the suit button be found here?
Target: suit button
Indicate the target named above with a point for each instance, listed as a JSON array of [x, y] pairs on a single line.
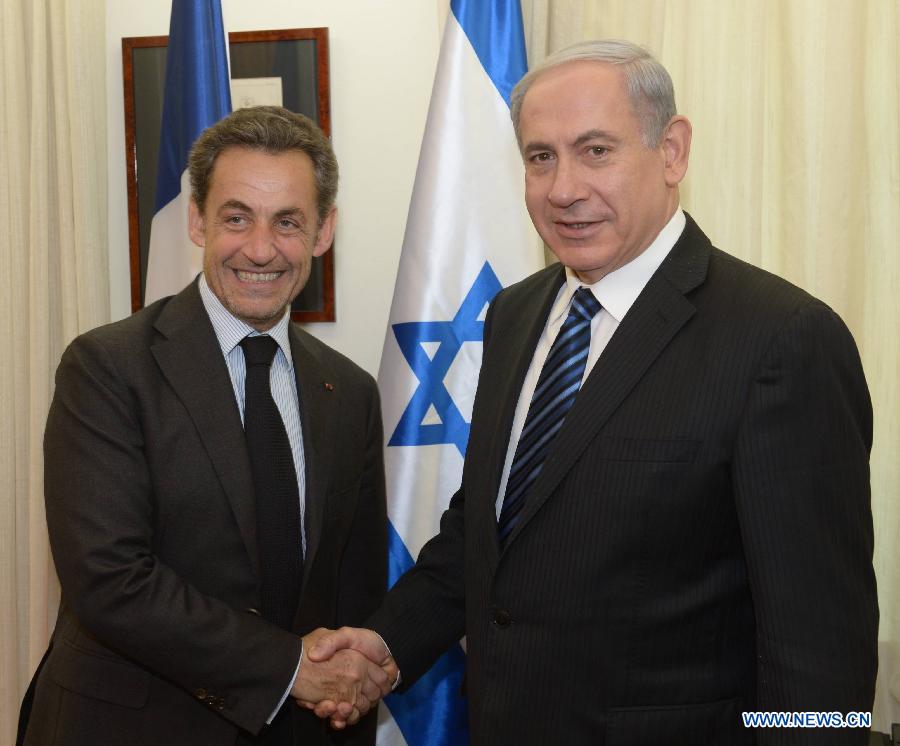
[[251, 610], [502, 618], [200, 693], [210, 700], [220, 704]]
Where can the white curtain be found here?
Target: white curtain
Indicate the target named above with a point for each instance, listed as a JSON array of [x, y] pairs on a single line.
[[53, 285], [795, 167]]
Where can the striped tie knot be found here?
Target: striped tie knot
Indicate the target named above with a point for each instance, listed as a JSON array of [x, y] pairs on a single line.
[[585, 304]]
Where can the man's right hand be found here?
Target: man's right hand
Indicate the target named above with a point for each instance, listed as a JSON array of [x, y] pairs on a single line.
[[327, 647], [341, 681]]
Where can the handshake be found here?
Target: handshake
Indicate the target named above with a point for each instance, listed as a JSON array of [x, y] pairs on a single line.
[[343, 674]]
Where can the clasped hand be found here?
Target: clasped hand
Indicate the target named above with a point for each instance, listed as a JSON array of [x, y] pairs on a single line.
[[343, 674]]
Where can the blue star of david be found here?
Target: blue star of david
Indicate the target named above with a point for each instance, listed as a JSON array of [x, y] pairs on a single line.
[[431, 391]]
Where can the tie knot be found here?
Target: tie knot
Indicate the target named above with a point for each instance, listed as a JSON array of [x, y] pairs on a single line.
[[585, 304], [259, 350]]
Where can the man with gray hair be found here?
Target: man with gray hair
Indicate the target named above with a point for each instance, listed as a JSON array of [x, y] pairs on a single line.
[[664, 518], [215, 483]]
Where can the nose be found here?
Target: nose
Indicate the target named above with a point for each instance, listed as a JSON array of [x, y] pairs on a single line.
[[568, 185], [260, 246]]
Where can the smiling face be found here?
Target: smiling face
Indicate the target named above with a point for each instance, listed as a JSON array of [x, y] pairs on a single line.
[[259, 231], [597, 195]]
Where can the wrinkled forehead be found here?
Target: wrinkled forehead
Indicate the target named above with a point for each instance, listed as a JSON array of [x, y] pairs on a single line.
[[575, 96], [568, 84]]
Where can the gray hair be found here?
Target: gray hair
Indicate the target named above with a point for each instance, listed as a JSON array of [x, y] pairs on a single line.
[[647, 82], [273, 130]]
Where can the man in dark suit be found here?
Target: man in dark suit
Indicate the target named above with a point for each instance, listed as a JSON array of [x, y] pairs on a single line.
[[171, 539], [692, 539]]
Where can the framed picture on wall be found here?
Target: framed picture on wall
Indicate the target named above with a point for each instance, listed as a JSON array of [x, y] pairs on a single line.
[[288, 67]]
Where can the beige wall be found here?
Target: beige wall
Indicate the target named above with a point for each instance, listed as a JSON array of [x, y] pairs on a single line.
[[383, 56]]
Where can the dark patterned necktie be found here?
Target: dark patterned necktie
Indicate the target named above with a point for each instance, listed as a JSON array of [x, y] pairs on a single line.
[[554, 394], [277, 499]]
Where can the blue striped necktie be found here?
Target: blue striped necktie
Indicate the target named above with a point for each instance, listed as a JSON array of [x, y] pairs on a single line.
[[554, 394]]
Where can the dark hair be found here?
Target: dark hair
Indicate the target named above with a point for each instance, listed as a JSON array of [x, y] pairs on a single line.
[[273, 130]]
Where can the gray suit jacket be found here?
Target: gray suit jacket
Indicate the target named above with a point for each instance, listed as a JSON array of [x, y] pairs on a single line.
[[698, 543], [151, 517]]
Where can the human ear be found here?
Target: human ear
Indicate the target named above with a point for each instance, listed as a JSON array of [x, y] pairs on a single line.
[[196, 225], [326, 232], [676, 149]]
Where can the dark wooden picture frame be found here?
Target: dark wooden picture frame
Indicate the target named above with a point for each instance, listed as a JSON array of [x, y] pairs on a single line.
[[298, 56]]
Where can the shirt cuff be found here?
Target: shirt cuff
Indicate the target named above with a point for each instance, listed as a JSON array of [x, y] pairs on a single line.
[[399, 675], [289, 687]]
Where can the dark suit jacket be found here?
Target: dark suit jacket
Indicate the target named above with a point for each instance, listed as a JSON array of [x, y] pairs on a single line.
[[150, 511], [699, 540]]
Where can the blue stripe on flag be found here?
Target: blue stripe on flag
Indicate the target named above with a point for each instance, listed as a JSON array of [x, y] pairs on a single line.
[[495, 31], [197, 92], [435, 698]]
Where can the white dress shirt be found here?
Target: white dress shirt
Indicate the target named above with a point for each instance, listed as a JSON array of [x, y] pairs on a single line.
[[616, 293]]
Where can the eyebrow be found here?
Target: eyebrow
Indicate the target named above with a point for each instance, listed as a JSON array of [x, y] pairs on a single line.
[[533, 147], [287, 212], [292, 212], [234, 204], [595, 134]]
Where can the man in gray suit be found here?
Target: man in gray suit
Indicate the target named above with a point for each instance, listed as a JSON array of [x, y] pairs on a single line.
[[193, 566], [664, 515]]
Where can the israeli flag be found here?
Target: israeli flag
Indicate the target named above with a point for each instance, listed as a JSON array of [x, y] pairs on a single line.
[[196, 95], [467, 235]]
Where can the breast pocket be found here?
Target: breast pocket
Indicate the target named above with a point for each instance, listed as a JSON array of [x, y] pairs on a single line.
[[634, 490], [340, 507], [649, 450]]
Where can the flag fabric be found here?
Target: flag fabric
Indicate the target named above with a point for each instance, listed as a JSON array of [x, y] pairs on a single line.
[[196, 95], [467, 235]]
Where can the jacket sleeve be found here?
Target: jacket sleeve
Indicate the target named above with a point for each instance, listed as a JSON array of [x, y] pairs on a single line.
[[801, 485]]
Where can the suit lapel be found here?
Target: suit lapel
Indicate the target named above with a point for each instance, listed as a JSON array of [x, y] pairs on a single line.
[[505, 365], [512, 358], [319, 395], [191, 360], [657, 315]]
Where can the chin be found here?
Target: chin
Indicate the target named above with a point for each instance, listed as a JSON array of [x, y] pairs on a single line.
[[579, 262], [255, 315]]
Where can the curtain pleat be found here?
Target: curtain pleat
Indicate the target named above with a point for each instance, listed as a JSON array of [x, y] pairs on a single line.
[[53, 285]]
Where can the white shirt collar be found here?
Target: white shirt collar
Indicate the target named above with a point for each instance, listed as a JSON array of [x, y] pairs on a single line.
[[618, 290], [230, 330]]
